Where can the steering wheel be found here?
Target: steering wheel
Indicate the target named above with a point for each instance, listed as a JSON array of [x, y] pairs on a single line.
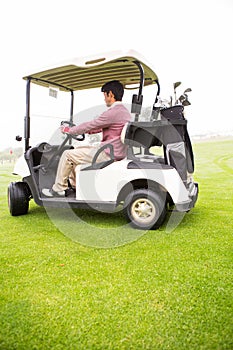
[[75, 137], [44, 147]]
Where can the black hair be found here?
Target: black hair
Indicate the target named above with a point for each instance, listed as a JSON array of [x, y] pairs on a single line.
[[116, 87]]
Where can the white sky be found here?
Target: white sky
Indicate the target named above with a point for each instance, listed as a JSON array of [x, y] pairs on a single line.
[[185, 40]]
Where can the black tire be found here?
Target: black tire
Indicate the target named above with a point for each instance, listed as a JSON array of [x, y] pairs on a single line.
[[145, 209], [18, 198]]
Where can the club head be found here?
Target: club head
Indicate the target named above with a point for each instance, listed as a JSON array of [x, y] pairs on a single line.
[[186, 103], [187, 90], [176, 84], [181, 98]]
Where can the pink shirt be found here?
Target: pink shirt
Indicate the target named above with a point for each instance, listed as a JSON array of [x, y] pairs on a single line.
[[110, 123]]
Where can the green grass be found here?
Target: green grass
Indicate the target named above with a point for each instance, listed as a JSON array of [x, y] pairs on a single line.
[[165, 290]]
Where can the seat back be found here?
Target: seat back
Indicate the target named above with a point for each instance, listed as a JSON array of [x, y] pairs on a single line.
[[141, 134], [170, 133]]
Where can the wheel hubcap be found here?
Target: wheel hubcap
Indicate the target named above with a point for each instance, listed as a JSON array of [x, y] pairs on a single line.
[[143, 210]]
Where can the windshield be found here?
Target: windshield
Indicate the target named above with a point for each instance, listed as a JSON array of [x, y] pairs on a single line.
[[47, 110]]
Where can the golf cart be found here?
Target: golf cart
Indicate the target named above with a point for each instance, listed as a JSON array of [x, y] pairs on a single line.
[[144, 184]]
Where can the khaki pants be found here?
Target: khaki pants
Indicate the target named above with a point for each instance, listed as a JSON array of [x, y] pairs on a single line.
[[68, 162]]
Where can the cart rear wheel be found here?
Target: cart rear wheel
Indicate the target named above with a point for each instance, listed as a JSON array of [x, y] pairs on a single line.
[[145, 209], [18, 198]]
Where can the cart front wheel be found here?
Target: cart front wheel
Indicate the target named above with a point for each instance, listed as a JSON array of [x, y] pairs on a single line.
[[18, 198]]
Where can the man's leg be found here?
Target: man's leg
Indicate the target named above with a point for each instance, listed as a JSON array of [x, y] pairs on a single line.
[[65, 166], [70, 159]]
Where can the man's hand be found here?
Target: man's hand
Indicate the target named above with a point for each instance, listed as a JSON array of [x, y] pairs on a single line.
[[65, 129]]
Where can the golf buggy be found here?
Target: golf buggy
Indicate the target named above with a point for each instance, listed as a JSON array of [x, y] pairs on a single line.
[[146, 184]]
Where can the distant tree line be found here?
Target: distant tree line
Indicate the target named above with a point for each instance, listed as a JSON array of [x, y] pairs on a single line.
[[10, 154]]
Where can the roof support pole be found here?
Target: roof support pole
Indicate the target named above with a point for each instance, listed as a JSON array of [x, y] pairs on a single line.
[[141, 70], [156, 108], [71, 111], [137, 99], [27, 116], [72, 106]]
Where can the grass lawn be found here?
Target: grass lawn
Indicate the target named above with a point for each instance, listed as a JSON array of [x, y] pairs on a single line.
[[165, 290]]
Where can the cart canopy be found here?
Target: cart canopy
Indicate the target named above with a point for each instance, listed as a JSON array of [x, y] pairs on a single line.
[[93, 72]]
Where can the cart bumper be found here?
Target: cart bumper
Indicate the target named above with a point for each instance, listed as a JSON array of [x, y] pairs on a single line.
[[186, 206]]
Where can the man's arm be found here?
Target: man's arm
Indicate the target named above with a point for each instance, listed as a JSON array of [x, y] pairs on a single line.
[[95, 131], [94, 126]]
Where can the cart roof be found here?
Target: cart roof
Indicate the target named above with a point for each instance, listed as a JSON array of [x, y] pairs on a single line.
[[94, 71]]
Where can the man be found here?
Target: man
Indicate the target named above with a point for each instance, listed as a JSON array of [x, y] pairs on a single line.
[[110, 123]]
